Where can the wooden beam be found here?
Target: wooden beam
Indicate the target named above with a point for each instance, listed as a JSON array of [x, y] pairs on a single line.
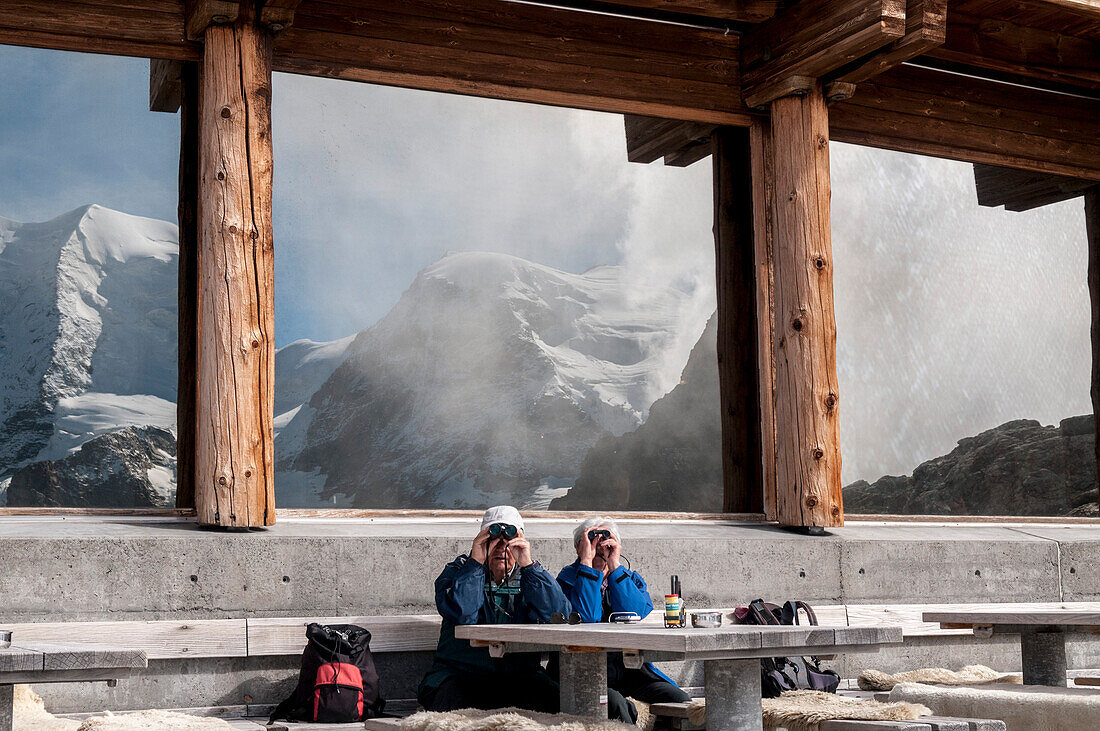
[[1024, 52], [806, 390], [931, 112], [278, 15], [201, 14], [164, 85], [1092, 232], [739, 384], [235, 470], [925, 28], [650, 138], [763, 195], [746, 11], [812, 38], [187, 372], [1021, 190]]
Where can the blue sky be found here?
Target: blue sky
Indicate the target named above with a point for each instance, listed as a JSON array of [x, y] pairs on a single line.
[[951, 318]]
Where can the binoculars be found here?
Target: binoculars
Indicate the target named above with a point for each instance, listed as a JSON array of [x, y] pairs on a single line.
[[601, 534], [496, 530]]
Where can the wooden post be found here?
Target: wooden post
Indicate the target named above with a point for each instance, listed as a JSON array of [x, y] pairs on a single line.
[[806, 393], [187, 299], [738, 379], [235, 481], [1092, 232]]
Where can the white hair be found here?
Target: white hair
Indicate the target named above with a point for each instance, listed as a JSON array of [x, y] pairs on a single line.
[[589, 523]]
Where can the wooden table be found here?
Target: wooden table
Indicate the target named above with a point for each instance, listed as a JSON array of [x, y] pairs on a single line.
[[730, 654], [1042, 633], [35, 662]]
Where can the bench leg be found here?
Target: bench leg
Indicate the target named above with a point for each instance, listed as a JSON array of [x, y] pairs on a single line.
[[7, 707], [1044, 658], [583, 679], [733, 695]]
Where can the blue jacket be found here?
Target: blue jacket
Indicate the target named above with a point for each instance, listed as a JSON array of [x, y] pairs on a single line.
[[626, 592], [462, 597]]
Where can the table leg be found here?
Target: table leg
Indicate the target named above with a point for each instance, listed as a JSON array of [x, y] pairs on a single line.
[[733, 695], [7, 707], [583, 679], [1044, 658]]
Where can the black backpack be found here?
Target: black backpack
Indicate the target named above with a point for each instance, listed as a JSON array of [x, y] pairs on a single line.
[[338, 682], [778, 674]]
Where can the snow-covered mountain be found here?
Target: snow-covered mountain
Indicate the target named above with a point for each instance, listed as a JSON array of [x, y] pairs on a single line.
[[87, 334], [488, 381]]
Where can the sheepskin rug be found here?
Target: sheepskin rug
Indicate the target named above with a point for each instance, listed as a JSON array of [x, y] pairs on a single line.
[[506, 719], [1019, 706], [31, 715], [804, 710], [969, 675]]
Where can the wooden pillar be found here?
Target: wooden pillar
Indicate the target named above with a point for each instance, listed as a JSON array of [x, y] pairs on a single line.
[[187, 300], [235, 480], [1092, 231], [806, 394], [737, 347]]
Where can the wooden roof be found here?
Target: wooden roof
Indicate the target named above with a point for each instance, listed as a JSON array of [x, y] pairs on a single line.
[[1002, 82]]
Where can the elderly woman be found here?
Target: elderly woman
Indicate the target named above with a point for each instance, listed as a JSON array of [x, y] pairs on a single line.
[[598, 585]]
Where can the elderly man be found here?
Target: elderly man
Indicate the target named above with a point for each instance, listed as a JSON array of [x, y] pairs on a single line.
[[598, 585], [497, 583]]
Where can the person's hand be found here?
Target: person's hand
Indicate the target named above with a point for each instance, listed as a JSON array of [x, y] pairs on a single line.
[[480, 550], [585, 550], [521, 551], [611, 551]]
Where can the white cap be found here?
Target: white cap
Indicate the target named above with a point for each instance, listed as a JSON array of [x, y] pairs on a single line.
[[502, 514]]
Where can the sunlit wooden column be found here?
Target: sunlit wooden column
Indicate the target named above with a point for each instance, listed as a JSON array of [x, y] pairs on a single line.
[[236, 361], [739, 384], [806, 397], [1092, 231]]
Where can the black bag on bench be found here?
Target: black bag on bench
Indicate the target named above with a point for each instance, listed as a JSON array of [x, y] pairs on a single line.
[[338, 682], [778, 674]]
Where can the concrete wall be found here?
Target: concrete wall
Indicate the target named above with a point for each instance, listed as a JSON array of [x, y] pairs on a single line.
[[84, 569]]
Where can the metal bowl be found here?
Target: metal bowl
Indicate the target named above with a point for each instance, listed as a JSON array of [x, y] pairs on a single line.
[[706, 619]]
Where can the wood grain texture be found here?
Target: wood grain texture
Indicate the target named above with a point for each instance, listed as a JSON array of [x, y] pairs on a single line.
[[650, 138], [925, 29], [287, 636], [749, 11], [164, 85], [738, 360], [73, 658], [763, 192], [201, 14], [18, 659], [1021, 190], [1015, 616], [187, 292], [1092, 232], [235, 473], [806, 390], [931, 112], [159, 639], [812, 38]]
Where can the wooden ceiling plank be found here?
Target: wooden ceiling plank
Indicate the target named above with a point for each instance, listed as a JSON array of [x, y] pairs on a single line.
[[76, 19], [85, 44], [925, 29], [690, 155], [165, 85], [649, 139], [278, 15], [457, 34], [547, 21], [1002, 46], [457, 84], [812, 38], [462, 65], [747, 11], [1021, 190]]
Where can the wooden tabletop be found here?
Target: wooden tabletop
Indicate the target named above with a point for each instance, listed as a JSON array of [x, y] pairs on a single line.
[[1052, 616], [735, 641], [38, 657]]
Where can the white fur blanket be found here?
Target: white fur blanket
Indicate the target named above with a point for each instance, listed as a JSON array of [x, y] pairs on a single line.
[[1019, 706], [31, 715], [968, 675], [506, 719], [804, 710]]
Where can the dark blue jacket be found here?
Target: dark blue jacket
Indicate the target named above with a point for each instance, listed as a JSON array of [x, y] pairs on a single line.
[[462, 597], [626, 592]]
